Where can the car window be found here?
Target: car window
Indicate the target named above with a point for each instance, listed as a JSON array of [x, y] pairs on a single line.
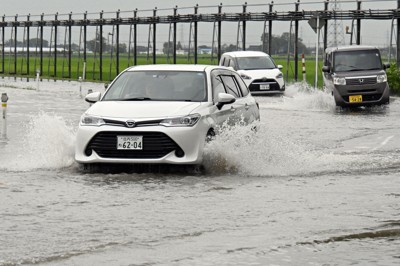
[[158, 85], [231, 85], [357, 60], [242, 85], [218, 86], [255, 62], [232, 63]]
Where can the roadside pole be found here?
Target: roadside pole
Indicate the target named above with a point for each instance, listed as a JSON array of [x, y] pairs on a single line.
[[303, 62], [316, 54], [316, 24], [4, 99], [37, 79]]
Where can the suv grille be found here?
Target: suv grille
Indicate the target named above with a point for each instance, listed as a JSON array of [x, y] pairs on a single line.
[[155, 145], [255, 85]]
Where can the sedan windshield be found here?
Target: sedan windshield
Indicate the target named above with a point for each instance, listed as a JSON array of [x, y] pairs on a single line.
[[255, 62], [357, 60], [158, 86]]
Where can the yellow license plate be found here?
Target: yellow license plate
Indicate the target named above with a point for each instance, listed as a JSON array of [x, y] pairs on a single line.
[[355, 98]]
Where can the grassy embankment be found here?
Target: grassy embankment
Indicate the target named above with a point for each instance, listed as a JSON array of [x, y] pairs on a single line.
[[93, 69]]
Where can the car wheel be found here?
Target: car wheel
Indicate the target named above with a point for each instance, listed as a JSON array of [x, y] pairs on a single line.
[[210, 135]]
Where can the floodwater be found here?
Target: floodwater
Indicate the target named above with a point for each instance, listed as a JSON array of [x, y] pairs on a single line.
[[315, 185]]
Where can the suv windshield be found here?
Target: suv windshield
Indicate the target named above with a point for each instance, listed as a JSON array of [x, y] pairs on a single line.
[[357, 60], [158, 86], [255, 62]]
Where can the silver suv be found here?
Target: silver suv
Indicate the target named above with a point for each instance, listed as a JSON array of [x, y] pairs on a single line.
[[355, 76]]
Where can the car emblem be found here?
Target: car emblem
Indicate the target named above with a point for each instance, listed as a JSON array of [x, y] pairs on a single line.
[[361, 81], [130, 123]]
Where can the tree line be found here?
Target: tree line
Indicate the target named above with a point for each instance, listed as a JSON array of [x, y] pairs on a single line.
[[280, 45]]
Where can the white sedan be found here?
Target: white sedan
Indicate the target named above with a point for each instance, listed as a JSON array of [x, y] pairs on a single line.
[[162, 114]]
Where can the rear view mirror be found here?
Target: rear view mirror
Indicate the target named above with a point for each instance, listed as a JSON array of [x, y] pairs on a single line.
[[326, 69], [93, 97], [386, 66], [224, 98]]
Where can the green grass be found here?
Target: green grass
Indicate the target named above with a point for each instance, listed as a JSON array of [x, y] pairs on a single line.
[[93, 67]]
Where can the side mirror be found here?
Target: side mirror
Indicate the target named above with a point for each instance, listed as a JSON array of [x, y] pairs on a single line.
[[93, 97], [386, 66], [279, 67], [224, 98], [326, 69]]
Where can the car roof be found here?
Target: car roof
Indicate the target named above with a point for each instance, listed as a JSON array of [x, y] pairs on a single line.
[[174, 67], [350, 48], [246, 53]]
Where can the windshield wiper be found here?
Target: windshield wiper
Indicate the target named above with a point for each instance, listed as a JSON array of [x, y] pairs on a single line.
[[137, 99]]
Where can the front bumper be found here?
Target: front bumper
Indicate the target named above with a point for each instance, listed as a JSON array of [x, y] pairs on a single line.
[[190, 140], [266, 86], [374, 94]]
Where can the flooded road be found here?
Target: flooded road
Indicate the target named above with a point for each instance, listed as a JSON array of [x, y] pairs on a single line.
[[315, 185]]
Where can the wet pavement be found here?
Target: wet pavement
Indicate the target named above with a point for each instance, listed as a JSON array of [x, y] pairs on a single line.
[[315, 185]]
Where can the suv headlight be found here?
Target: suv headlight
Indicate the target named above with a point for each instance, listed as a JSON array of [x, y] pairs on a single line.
[[183, 121], [279, 76], [381, 78], [88, 120], [339, 81]]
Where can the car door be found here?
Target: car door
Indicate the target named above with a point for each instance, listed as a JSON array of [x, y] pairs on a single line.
[[251, 110], [232, 87], [227, 111]]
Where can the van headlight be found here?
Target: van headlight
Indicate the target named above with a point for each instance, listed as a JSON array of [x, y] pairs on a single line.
[[183, 121], [339, 81], [88, 120], [381, 78], [244, 76], [279, 76]]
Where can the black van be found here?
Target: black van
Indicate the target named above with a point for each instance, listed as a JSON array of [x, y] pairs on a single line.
[[356, 76]]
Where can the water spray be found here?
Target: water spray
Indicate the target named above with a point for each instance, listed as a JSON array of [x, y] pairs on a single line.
[[4, 99]]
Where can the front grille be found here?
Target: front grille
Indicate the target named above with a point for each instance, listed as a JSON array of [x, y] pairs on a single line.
[[155, 145], [273, 85], [361, 81]]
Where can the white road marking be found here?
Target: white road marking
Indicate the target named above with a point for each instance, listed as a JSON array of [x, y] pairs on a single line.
[[383, 143]]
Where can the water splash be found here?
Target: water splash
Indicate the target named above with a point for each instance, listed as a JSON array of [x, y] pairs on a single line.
[[301, 96], [264, 152], [48, 143]]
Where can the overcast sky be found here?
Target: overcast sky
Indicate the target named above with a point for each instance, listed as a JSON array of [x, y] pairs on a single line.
[[373, 32]]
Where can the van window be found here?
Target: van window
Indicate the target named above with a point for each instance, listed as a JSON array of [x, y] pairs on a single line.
[[357, 60], [255, 62]]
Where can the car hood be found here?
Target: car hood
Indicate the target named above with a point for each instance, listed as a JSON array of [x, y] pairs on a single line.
[[360, 73], [141, 109], [261, 73]]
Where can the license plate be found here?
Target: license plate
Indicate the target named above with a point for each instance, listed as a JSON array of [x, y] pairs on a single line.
[[264, 87], [355, 98], [129, 142]]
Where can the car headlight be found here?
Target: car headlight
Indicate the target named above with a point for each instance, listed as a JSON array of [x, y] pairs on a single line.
[[339, 81], [244, 76], [183, 121], [279, 76], [381, 78], [88, 120]]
